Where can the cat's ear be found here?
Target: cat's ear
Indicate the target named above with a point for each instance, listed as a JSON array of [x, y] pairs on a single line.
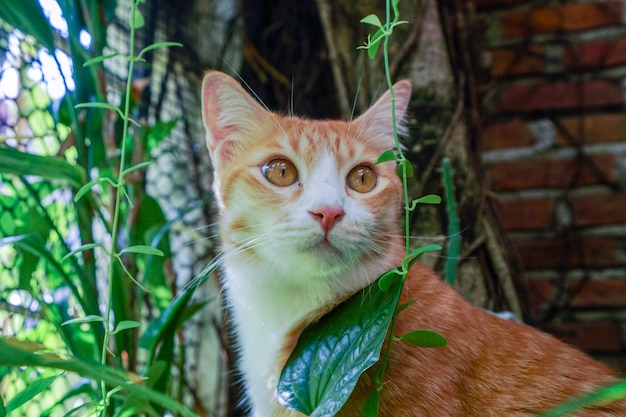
[[228, 112], [377, 119]]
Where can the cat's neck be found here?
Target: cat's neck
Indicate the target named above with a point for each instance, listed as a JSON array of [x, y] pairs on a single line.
[[265, 309]]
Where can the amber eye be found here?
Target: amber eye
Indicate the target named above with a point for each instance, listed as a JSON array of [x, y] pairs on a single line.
[[362, 178], [280, 172]]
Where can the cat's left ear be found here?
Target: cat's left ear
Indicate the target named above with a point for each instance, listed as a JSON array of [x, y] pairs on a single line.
[[229, 114], [377, 119]]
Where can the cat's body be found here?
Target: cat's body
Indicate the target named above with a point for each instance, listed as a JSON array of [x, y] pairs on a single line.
[[307, 219]]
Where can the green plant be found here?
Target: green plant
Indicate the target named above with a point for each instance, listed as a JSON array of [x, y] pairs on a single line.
[[306, 384], [72, 335]]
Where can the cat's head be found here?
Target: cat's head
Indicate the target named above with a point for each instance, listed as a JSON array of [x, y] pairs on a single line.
[[302, 196]]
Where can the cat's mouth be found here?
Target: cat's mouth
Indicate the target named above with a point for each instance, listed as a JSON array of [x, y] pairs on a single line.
[[326, 251]]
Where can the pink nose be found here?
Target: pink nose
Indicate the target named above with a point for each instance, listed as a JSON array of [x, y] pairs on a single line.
[[328, 217]]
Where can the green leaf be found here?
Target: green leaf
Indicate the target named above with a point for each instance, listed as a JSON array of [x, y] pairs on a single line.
[[99, 59], [333, 353], [136, 19], [370, 408], [372, 48], [170, 319], [49, 167], [15, 353], [405, 168], [158, 132], [374, 43], [389, 278], [412, 257], [125, 325], [373, 20], [33, 389], [87, 319], [388, 155], [84, 248], [143, 249], [87, 187], [424, 338], [404, 306], [136, 167], [428, 199], [157, 46], [100, 105], [604, 395]]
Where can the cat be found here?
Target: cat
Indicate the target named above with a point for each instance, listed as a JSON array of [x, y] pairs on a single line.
[[307, 219]]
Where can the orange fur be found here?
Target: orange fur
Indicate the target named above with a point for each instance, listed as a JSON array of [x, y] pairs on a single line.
[[282, 271], [490, 367]]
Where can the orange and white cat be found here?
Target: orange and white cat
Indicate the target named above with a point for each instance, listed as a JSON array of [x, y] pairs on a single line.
[[306, 219]]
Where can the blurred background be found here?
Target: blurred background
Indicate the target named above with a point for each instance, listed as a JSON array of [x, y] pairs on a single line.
[[524, 98]]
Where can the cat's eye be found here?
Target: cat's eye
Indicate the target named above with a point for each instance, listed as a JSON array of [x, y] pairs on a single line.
[[281, 172], [362, 178]]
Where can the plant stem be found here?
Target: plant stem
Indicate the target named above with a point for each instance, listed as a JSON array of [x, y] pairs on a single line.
[[401, 157], [118, 200]]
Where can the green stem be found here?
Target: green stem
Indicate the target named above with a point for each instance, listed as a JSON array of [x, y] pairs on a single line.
[[384, 363], [401, 157], [118, 200]]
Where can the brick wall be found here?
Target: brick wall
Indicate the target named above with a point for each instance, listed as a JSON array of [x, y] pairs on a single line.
[[554, 151]]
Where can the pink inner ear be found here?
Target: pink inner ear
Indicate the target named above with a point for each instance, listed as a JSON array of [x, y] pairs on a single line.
[[211, 110]]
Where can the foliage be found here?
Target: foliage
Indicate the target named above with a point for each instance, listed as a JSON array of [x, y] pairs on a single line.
[[73, 328]]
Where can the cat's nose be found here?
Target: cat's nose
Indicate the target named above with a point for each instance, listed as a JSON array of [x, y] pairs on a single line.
[[328, 217]]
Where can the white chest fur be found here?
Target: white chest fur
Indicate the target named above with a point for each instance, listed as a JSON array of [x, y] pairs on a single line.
[[265, 309], [263, 314]]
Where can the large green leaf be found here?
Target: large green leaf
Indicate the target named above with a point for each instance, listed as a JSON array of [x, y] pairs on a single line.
[[162, 329], [333, 353], [27, 16], [50, 167], [15, 353]]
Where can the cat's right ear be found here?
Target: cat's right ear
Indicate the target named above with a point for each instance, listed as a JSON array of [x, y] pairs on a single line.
[[229, 114]]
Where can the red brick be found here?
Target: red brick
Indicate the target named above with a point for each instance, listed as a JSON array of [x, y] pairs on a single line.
[[551, 173], [510, 134], [526, 214], [595, 54], [599, 209], [562, 18], [592, 252], [514, 61], [539, 292], [560, 96], [596, 336], [600, 128], [600, 293], [592, 294]]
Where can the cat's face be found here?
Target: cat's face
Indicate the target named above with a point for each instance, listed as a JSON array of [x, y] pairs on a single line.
[[300, 195]]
